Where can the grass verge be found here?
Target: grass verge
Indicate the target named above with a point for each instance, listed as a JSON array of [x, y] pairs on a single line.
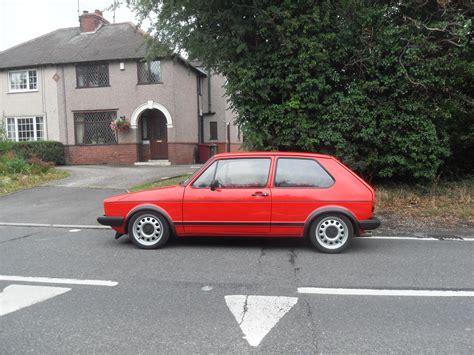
[[16, 182], [160, 183], [446, 203]]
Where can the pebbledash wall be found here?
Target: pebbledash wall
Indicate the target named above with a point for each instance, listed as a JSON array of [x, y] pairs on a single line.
[[178, 93]]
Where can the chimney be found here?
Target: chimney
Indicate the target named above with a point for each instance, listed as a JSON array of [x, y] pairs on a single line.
[[90, 22]]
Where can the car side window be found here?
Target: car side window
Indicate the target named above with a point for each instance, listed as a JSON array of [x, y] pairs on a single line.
[[292, 172], [204, 181], [243, 173]]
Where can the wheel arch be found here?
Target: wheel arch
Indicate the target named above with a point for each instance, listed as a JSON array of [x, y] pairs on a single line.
[[152, 208], [331, 210]]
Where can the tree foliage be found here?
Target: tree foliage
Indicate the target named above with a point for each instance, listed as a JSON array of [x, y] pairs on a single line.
[[386, 86]]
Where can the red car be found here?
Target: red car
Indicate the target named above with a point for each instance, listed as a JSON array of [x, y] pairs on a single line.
[[264, 194]]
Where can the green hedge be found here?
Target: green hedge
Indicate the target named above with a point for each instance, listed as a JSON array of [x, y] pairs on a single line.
[[50, 151]]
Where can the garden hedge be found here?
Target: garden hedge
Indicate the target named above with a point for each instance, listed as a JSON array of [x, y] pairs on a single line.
[[49, 151]]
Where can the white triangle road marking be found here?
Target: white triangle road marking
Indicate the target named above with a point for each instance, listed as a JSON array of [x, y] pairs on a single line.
[[257, 315], [15, 297]]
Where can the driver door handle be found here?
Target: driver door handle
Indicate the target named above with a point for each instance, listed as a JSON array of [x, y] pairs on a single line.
[[259, 193]]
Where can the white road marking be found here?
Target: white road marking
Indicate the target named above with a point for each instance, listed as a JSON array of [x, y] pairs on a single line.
[[207, 288], [74, 230], [424, 239], [384, 292], [257, 315], [46, 225], [58, 280], [15, 297]]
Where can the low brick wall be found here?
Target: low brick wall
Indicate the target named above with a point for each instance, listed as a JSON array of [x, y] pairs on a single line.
[[114, 154], [182, 153]]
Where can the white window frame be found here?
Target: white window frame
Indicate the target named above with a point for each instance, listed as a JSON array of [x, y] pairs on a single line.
[[35, 131], [10, 90]]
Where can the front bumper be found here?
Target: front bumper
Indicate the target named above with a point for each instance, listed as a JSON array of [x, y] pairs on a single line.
[[369, 224], [110, 221]]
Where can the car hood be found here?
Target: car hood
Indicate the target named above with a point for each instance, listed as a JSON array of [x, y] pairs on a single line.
[[168, 193]]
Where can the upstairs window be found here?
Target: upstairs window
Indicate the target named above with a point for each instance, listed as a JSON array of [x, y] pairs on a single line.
[[23, 80], [149, 72], [92, 75], [94, 127], [25, 128]]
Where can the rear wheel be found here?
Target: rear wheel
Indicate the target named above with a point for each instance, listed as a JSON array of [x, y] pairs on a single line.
[[148, 230], [331, 233]]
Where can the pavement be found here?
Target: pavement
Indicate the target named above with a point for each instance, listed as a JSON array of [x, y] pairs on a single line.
[[78, 290]]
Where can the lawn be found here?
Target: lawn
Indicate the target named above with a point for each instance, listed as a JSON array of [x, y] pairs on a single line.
[[15, 182]]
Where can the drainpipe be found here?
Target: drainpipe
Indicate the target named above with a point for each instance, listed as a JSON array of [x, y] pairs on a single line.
[[64, 104]]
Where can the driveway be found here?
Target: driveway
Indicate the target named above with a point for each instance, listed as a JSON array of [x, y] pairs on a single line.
[[78, 198]]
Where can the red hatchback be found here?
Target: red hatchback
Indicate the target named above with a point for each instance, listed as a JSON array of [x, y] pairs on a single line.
[[264, 194]]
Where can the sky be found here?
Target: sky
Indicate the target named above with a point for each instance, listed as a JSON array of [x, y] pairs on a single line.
[[22, 20]]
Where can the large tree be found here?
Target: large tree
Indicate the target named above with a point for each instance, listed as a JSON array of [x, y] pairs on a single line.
[[387, 86]]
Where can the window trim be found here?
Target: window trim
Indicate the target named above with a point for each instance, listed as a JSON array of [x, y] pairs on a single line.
[[91, 64], [138, 73], [92, 111], [266, 186], [35, 132], [14, 91], [301, 187]]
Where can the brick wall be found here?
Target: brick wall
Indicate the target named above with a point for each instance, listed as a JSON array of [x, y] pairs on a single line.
[[182, 153], [222, 147], [115, 154]]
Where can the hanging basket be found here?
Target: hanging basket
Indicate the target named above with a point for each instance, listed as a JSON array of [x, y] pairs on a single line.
[[120, 124]]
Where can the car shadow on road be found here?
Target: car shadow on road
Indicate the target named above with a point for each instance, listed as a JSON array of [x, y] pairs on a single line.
[[357, 246]]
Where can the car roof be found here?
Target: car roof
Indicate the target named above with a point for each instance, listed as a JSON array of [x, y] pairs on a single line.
[[270, 154]]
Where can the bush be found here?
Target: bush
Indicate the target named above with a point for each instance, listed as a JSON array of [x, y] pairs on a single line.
[[47, 151], [5, 147], [38, 166], [11, 164]]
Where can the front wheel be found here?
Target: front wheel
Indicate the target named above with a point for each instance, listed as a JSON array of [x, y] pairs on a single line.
[[148, 230], [331, 233]]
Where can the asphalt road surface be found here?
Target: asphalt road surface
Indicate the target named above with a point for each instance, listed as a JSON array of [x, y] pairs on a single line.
[[76, 290]]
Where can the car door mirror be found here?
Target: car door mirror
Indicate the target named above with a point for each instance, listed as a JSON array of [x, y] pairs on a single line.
[[214, 185]]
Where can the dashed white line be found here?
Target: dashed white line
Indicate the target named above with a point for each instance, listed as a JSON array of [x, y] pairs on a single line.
[[50, 280], [384, 292]]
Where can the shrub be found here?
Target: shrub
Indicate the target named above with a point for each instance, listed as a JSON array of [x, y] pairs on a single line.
[[11, 164], [5, 146], [47, 151], [38, 166]]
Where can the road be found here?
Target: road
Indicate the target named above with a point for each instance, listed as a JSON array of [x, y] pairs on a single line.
[[210, 295]]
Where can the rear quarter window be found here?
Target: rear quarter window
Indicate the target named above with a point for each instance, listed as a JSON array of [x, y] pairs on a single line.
[[294, 172]]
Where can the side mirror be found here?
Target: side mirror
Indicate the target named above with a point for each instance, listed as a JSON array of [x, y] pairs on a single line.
[[214, 185]]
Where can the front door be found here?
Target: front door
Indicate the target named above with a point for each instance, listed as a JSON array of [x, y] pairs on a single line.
[[241, 205], [158, 137]]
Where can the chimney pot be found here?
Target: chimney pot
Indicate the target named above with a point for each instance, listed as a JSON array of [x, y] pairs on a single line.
[[98, 12], [85, 12]]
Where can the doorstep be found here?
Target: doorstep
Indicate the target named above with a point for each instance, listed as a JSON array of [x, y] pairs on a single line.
[[153, 163]]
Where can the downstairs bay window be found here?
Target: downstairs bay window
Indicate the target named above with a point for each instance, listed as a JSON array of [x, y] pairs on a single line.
[[25, 128]]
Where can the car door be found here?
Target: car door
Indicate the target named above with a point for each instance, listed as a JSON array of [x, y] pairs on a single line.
[[300, 186], [240, 205]]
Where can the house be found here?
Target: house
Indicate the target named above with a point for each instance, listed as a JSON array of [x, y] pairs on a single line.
[[68, 85]]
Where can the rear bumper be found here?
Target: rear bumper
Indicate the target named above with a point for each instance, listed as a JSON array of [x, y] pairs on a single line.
[[110, 221], [369, 224]]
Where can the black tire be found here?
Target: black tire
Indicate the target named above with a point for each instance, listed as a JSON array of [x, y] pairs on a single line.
[[148, 230], [331, 233]]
